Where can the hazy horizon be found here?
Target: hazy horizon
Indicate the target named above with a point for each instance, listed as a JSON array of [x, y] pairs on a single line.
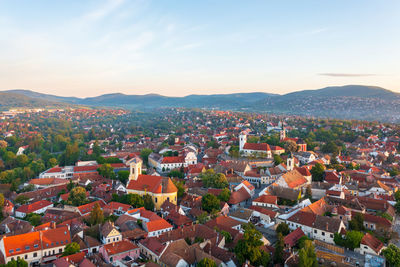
[[177, 48]]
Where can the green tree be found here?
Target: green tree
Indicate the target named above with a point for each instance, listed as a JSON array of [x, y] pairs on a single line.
[[106, 171], [353, 239], [317, 172], [52, 162], [34, 219], [16, 263], [180, 186], [210, 202], [357, 222], [71, 249], [225, 195], [203, 218], [392, 255], [290, 146], [77, 196], [206, 262], [148, 202], [277, 159], [134, 200], [307, 256], [21, 199], [96, 215], [249, 248], [214, 180], [144, 154], [279, 246], [22, 160], [123, 176], [283, 228]]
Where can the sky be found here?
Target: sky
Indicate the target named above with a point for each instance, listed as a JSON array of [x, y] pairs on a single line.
[[175, 48]]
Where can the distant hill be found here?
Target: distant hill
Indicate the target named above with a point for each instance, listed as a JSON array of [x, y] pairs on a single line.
[[10, 100], [346, 102]]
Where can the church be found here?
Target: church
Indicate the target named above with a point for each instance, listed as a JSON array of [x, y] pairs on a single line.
[[159, 188], [257, 149]]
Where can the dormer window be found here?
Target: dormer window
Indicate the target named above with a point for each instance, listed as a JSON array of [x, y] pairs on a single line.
[[27, 247], [11, 251], [18, 249], [36, 246]]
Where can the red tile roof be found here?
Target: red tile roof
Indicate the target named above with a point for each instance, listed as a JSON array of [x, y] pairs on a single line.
[[157, 225], [292, 238], [257, 146], [267, 199], [372, 242], [29, 208], [119, 247], [179, 159], [239, 196], [87, 208], [154, 184]]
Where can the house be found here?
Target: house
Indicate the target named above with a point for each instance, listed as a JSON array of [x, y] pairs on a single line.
[[35, 247], [246, 185], [292, 179], [152, 248], [266, 215], [153, 224], [370, 245], [242, 215], [37, 207], [248, 149], [291, 239], [87, 208], [109, 233], [178, 220], [117, 208], [224, 222], [117, 251], [316, 226], [159, 188], [239, 198], [266, 201]]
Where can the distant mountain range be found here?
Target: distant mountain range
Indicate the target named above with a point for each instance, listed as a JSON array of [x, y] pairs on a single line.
[[348, 102]]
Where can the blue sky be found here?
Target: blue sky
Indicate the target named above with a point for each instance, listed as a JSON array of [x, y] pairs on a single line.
[[88, 48]]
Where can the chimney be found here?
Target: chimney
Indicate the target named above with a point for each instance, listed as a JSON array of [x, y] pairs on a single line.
[[53, 225]]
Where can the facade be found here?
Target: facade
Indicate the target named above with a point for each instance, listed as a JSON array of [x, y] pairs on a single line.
[[35, 247], [117, 251], [159, 188], [37, 207]]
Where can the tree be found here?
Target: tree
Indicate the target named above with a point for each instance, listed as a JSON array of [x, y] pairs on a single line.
[[180, 187], [214, 180], [1, 200], [249, 248], [52, 162], [96, 215], [22, 160], [21, 199], [308, 192], [330, 147], [317, 172], [148, 202], [277, 159], [134, 200], [206, 262], [123, 176], [77, 196], [16, 263], [70, 185], [225, 195], [210, 202], [357, 222], [353, 239], [106, 171], [71, 248], [144, 154], [34, 219], [392, 255], [283, 228], [279, 246], [203, 218], [307, 256], [290, 146]]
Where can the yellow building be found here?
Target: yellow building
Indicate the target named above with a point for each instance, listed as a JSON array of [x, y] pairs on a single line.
[[158, 187]]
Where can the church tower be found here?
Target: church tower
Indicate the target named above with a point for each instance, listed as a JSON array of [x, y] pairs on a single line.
[[290, 162], [282, 134], [135, 168], [242, 140]]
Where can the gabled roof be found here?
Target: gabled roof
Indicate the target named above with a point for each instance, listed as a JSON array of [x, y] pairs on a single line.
[[268, 199], [169, 160], [29, 208], [119, 247], [152, 183], [292, 238], [153, 244], [239, 196], [257, 146], [294, 179], [372, 242]]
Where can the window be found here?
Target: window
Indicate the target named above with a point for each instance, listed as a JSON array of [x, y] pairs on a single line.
[[18, 249], [11, 251], [315, 231], [331, 235], [27, 247], [35, 254], [36, 246], [60, 250], [156, 200], [323, 233], [45, 253], [66, 241], [26, 256]]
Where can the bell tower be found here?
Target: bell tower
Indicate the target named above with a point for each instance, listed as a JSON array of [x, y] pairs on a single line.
[[135, 169], [242, 140], [282, 134]]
